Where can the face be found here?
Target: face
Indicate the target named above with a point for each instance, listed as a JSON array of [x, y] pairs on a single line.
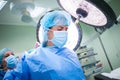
[[56, 28], [8, 53]]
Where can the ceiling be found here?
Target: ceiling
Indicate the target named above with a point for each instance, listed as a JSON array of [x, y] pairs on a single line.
[[8, 18], [10, 37]]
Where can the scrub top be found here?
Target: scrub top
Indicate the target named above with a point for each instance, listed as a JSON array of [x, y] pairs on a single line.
[[48, 63], [2, 73]]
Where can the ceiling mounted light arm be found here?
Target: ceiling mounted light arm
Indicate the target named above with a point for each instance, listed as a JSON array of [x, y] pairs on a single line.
[[118, 19], [26, 17], [99, 13]]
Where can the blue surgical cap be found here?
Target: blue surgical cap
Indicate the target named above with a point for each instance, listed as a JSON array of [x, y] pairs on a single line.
[[2, 52], [55, 18]]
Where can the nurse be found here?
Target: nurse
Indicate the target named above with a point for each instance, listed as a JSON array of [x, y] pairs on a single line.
[[51, 60], [7, 61]]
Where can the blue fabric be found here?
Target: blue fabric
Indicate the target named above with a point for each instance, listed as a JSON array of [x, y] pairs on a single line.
[[2, 73], [30, 51], [49, 64], [10, 74], [55, 18]]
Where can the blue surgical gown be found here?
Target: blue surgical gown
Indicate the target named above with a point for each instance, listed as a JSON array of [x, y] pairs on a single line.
[[2, 73], [48, 63]]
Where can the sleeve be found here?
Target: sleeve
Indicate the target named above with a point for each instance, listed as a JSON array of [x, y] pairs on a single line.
[[19, 73], [10, 76]]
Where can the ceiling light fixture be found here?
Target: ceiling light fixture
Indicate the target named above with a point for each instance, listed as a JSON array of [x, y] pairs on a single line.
[[37, 11], [96, 13], [20, 7], [2, 4]]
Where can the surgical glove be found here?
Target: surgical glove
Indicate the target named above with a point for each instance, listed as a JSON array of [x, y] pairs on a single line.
[[11, 61]]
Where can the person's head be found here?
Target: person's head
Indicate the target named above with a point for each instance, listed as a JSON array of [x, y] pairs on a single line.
[[7, 59], [55, 25]]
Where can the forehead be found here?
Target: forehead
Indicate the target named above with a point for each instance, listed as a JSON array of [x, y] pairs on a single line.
[[8, 53]]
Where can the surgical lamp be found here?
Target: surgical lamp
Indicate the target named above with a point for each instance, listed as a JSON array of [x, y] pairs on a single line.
[[96, 13], [21, 8]]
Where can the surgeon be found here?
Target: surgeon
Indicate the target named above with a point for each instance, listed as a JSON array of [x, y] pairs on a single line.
[[51, 60], [7, 61]]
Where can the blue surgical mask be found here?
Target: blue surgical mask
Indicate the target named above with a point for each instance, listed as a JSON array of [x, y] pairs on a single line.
[[60, 38], [11, 61]]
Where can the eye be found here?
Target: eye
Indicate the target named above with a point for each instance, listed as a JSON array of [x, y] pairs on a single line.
[[62, 28], [6, 55], [59, 28]]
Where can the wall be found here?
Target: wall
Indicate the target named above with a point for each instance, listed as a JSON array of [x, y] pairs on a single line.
[[112, 46], [18, 38], [110, 39]]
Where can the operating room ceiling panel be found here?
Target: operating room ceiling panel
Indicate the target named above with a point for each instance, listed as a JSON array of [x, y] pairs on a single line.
[[7, 18]]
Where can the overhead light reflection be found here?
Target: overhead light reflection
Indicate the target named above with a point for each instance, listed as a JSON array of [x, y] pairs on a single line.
[[2, 4], [37, 11], [94, 15]]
